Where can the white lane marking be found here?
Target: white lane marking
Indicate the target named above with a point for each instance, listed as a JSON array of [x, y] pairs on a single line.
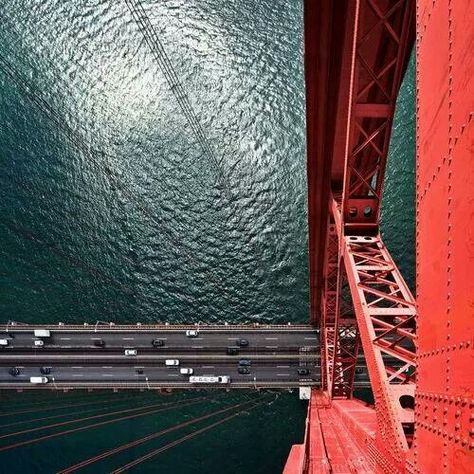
[[128, 338], [283, 366], [311, 338], [107, 375], [20, 366], [283, 375], [271, 338], [197, 347], [65, 338], [271, 347], [107, 367], [77, 367], [173, 375], [233, 338], [207, 366], [139, 367], [78, 375]]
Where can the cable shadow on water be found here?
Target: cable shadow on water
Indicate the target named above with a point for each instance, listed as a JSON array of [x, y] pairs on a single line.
[[248, 405], [171, 406], [181, 440], [101, 161], [114, 405]]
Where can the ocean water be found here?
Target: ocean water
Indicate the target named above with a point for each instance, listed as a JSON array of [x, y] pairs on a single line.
[[113, 208]]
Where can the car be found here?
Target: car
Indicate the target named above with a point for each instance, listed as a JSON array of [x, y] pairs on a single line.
[[14, 371], [130, 352], [192, 333], [303, 371], [39, 380], [186, 371], [359, 370], [245, 362], [242, 342], [3, 342], [244, 370], [158, 343], [38, 343], [140, 371], [232, 351], [99, 342], [171, 362], [45, 370]]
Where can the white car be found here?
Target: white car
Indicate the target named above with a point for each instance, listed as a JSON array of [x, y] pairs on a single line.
[[38, 343], [192, 333], [171, 362], [3, 342], [130, 352], [184, 371], [39, 380]]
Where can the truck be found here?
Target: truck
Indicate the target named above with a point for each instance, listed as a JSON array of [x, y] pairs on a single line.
[[209, 379], [42, 333]]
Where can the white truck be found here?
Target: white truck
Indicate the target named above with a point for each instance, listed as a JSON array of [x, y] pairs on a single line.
[[209, 379], [42, 333]]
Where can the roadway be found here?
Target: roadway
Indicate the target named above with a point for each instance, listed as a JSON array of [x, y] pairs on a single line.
[[75, 361]]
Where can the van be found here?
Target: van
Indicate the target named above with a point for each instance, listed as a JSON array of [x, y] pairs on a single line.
[[38, 379], [38, 343], [184, 371], [171, 362], [3, 342], [42, 333]]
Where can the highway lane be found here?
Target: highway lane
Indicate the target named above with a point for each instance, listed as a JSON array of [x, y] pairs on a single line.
[[262, 340], [283, 371], [143, 376]]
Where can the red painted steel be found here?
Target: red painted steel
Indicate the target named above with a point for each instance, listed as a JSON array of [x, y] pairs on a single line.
[[380, 439], [379, 51], [444, 419]]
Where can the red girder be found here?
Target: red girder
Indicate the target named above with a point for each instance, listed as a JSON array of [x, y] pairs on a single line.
[[370, 41]]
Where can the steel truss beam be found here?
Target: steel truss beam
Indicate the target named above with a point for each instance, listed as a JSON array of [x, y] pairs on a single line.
[[385, 312], [339, 333], [380, 49]]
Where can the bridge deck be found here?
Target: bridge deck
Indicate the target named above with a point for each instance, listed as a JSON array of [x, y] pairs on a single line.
[[76, 361]]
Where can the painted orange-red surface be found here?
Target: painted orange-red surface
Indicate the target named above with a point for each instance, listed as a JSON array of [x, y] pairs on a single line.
[[343, 435], [444, 431]]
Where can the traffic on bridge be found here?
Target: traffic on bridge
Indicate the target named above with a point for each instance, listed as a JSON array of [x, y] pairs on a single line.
[[149, 356]]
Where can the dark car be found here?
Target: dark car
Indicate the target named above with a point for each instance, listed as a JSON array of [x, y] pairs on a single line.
[[140, 371], [303, 372], [99, 342], [245, 363], [14, 371], [242, 342], [45, 370], [244, 370], [232, 351], [359, 370], [158, 343]]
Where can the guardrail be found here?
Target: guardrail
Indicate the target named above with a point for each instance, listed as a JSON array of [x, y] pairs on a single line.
[[65, 386], [143, 386], [112, 327]]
